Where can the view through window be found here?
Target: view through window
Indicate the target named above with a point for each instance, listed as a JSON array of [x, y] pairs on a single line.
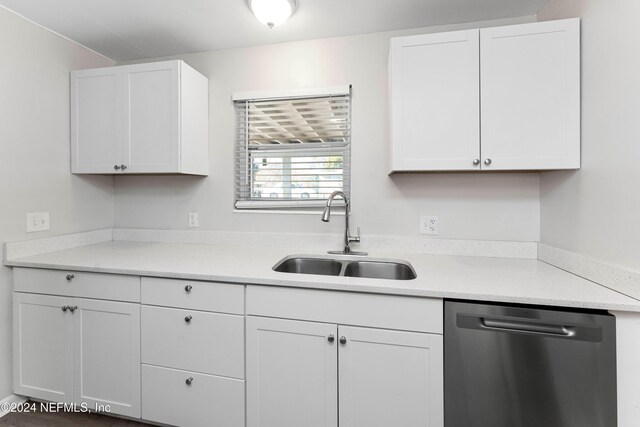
[[292, 152]]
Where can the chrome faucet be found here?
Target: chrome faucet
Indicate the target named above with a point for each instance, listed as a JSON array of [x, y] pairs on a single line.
[[348, 239]]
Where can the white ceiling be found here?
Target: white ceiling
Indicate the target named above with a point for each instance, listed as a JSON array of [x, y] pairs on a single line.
[[132, 29]]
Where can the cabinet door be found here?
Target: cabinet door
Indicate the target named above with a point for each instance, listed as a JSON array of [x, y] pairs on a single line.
[[96, 120], [193, 399], [435, 102], [42, 347], [107, 355], [531, 96], [151, 116], [210, 343], [292, 373], [390, 378]]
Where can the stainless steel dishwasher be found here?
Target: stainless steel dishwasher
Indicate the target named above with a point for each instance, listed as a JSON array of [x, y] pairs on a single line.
[[519, 366]]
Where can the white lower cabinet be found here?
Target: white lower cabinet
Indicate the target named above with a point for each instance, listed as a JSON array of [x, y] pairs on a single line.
[[42, 347], [107, 355], [78, 350], [385, 378], [183, 398], [390, 378], [211, 343], [193, 358], [292, 373]]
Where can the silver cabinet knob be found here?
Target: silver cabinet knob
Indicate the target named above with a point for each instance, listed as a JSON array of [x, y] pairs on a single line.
[[343, 340], [70, 277], [65, 308], [188, 288], [123, 167], [476, 162], [487, 162], [188, 318], [72, 308], [331, 338], [116, 167], [189, 380]]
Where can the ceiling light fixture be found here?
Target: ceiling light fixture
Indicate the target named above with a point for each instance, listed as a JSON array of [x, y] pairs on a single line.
[[272, 12]]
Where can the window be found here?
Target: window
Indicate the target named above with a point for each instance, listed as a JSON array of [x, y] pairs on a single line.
[[292, 151]]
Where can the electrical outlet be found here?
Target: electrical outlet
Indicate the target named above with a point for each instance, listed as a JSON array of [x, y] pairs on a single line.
[[193, 219], [429, 225], [37, 221]]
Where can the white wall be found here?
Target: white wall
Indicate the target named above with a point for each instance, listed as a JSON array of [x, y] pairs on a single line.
[[34, 151], [470, 206], [596, 211]]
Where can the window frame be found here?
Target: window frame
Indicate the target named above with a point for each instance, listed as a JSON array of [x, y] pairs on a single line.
[[242, 153]]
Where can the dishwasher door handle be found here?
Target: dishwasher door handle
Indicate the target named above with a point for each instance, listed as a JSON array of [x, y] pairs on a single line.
[[591, 333], [529, 327]]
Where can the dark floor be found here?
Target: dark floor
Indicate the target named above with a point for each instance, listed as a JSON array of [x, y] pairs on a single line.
[[64, 419]]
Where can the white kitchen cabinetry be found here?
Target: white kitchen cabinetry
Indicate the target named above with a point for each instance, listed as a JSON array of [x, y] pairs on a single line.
[[107, 355], [435, 107], [292, 373], [525, 115], [530, 77], [97, 112], [42, 347], [390, 378], [193, 358], [303, 371], [70, 349], [139, 119]]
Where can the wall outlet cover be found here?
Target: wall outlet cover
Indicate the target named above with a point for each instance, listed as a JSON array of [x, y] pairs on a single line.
[[38, 221], [193, 219], [429, 225]]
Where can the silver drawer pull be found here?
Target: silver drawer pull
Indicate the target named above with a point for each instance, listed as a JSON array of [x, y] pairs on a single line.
[[188, 288], [188, 318], [65, 307], [72, 308], [70, 277], [189, 380]]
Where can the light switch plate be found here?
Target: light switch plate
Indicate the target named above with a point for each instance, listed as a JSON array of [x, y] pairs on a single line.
[[37, 221]]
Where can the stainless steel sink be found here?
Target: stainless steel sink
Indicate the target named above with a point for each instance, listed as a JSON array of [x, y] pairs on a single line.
[[390, 270], [324, 266], [345, 266]]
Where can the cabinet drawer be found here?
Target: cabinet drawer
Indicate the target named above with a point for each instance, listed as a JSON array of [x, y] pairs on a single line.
[[194, 295], [209, 342], [347, 308], [77, 284], [207, 401]]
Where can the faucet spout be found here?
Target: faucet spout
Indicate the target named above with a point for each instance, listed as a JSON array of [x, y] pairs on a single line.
[[348, 239]]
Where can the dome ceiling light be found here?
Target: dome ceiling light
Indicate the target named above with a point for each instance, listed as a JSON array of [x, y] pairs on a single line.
[[272, 12]]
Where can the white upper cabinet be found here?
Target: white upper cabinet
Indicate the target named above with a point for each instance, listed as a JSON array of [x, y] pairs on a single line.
[[435, 101], [530, 85], [504, 98], [152, 117], [96, 120], [143, 118]]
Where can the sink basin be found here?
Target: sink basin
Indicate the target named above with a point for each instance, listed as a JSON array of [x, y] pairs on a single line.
[[349, 267], [328, 267], [380, 270]]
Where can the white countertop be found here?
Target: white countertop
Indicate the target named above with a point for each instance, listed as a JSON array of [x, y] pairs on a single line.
[[474, 278]]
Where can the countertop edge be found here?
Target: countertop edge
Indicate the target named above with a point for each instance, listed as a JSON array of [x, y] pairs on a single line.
[[384, 290]]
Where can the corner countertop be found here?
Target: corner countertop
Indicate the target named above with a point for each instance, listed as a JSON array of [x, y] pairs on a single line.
[[473, 278]]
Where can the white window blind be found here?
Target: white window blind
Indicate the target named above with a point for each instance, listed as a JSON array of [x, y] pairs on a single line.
[[293, 151]]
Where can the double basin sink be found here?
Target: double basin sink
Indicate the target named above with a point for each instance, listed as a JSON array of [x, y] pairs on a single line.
[[368, 268]]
